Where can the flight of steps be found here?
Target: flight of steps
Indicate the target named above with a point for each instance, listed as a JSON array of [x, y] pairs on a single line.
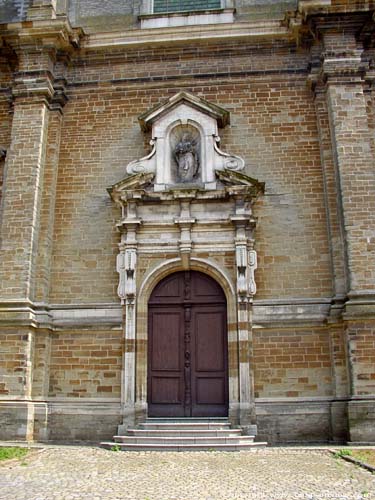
[[183, 434]]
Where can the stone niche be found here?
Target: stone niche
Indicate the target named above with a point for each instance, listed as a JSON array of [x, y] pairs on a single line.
[[185, 206], [185, 144]]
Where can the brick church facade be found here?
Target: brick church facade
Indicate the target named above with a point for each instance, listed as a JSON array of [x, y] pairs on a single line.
[[187, 217]]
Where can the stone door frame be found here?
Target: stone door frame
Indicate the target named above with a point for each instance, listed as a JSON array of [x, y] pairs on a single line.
[[134, 378]]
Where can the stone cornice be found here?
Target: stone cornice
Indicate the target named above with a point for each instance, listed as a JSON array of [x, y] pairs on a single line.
[[178, 35], [52, 39], [56, 34], [346, 61]]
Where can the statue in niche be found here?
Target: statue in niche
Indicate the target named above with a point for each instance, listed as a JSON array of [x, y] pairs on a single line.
[[187, 159]]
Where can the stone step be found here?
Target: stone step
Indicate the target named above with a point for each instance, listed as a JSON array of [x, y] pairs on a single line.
[[177, 441], [169, 420], [184, 432], [182, 447], [184, 425]]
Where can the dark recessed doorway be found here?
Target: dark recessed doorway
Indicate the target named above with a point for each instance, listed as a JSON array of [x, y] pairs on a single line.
[[187, 347]]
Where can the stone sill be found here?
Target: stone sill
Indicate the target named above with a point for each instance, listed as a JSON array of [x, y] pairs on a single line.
[[194, 18]]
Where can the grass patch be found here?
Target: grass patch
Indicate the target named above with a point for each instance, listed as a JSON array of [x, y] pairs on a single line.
[[366, 456], [343, 453], [12, 452]]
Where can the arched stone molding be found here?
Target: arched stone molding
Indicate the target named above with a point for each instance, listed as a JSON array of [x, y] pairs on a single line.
[[148, 284]]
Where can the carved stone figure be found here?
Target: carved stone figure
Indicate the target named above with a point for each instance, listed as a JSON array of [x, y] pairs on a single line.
[[187, 160]]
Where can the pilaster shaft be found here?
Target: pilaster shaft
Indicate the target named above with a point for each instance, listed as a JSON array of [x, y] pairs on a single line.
[[23, 183], [21, 203], [351, 144]]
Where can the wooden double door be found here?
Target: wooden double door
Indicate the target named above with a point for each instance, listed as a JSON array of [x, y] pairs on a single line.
[[187, 348]]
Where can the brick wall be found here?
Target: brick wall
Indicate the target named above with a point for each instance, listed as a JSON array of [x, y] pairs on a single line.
[[13, 360], [361, 336], [273, 126], [292, 363], [5, 115], [86, 365]]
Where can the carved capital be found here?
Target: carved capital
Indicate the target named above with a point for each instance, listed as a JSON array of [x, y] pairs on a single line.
[[337, 55]]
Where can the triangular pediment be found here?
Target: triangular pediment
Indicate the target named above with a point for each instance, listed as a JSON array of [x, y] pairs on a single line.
[[234, 178], [221, 115], [132, 183]]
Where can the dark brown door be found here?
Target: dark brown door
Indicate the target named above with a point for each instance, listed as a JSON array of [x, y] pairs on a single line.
[[187, 348]]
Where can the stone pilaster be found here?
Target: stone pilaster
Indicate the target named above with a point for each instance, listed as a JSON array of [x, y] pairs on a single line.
[[126, 267], [334, 215], [38, 97], [27, 221], [47, 215], [246, 288], [351, 144], [23, 184], [343, 117]]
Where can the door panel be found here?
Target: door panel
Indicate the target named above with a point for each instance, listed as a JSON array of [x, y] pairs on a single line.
[[166, 390], [209, 366], [166, 337], [209, 329], [166, 364], [210, 391], [187, 348]]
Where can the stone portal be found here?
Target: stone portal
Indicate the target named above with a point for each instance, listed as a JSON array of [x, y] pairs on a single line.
[[187, 209]]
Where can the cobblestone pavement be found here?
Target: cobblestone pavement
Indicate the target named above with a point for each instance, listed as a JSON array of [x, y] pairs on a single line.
[[92, 473]]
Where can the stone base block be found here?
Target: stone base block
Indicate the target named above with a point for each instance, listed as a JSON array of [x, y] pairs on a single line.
[[83, 421], [339, 421], [16, 421], [361, 414], [62, 421], [301, 422]]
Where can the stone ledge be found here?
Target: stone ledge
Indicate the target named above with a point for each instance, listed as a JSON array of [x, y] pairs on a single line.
[[181, 34], [294, 312], [195, 18]]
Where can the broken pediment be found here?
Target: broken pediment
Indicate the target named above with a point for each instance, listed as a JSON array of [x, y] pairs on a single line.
[[185, 144], [228, 183]]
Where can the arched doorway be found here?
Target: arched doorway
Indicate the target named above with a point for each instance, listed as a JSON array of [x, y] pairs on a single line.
[[187, 347]]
